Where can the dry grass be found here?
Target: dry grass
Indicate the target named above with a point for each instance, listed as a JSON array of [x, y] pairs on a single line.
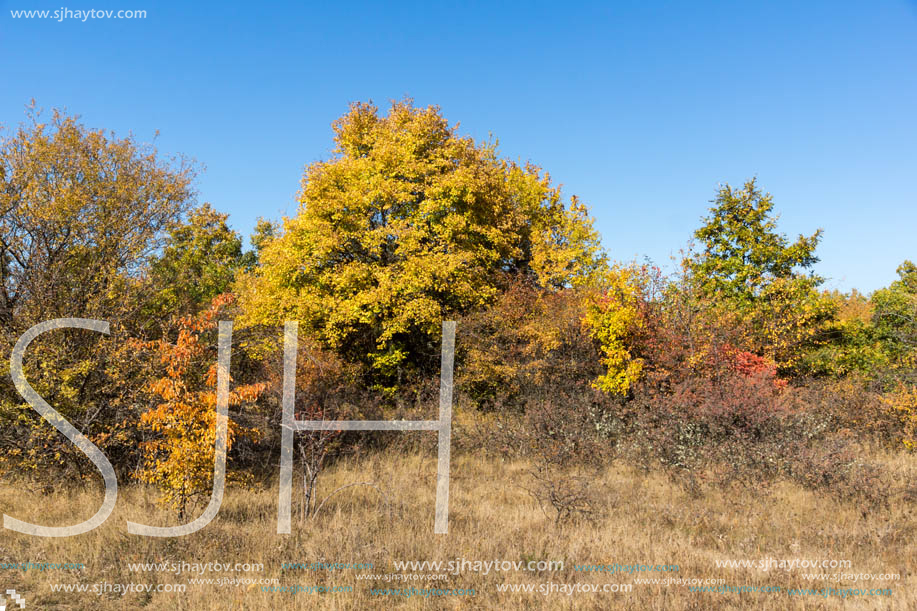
[[647, 520]]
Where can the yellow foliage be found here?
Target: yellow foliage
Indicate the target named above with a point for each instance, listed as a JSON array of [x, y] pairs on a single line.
[[179, 459], [902, 404], [408, 224], [614, 317]]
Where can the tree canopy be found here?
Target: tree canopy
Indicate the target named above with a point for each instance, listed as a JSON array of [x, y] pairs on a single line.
[[199, 262], [81, 212], [409, 224], [751, 271], [742, 250]]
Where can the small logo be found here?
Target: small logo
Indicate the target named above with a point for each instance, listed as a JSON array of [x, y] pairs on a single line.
[[19, 600]]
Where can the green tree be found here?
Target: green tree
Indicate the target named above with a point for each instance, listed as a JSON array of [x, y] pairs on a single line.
[[907, 277], [746, 266], [894, 317], [743, 252], [264, 232], [406, 225], [852, 345], [873, 339], [198, 263]]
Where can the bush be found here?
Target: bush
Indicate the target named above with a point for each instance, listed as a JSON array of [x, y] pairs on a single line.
[[530, 344], [901, 405], [746, 431], [571, 497]]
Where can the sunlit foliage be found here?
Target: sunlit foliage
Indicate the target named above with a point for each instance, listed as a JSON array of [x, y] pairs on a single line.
[[409, 224]]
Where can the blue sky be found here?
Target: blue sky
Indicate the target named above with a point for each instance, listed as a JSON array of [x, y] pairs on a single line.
[[639, 108]]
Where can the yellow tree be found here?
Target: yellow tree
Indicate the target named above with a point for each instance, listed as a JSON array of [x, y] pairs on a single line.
[[407, 224], [615, 317], [81, 210], [179, 458]]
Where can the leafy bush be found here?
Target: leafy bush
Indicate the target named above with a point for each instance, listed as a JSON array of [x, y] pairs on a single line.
[[531, 343], [179, 456], [901, 405]]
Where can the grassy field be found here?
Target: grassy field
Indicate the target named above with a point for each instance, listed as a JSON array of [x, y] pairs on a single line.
[[642, 519]]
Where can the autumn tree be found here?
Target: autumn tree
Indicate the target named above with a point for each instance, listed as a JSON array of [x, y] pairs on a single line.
[[616, 316], [81, 211], [410, 223], [179, 456]]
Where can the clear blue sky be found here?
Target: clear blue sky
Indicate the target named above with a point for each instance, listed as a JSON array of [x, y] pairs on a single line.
[[640, 108]]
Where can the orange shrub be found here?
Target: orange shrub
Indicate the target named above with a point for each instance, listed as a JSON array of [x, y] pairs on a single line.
[[179, 458]]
